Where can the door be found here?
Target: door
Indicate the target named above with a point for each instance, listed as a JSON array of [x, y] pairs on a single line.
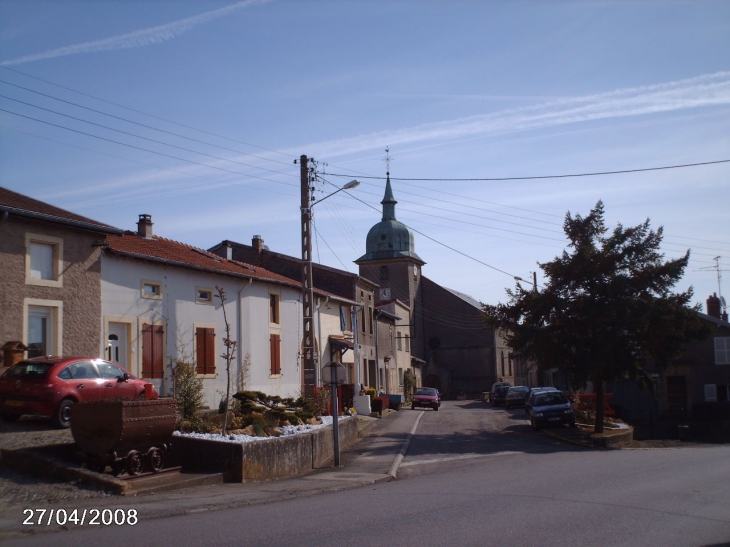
[[677, 395], [118, 344], [86, 384]]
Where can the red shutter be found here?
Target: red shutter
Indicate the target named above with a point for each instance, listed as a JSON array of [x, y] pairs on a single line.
[[153, 358], [205, 350], [275, 351]]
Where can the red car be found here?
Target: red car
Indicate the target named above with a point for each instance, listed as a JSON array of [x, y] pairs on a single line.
[[49, 386], [426, 396]]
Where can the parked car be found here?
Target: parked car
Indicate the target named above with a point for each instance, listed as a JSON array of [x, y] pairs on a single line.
[[426, 396], [516, 396], [551, 408], [494, 389], [49, 386], [534, 391], [500, 395]]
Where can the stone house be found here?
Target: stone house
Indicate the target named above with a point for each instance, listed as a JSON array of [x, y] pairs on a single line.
[[50, 268]]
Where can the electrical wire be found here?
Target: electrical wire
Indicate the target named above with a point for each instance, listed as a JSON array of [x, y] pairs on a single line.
[[145, 113], [144, 149], [537, 177]]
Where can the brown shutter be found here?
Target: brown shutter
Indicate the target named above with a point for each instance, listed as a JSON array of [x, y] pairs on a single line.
[[275, 351], [205, 350], [153, 358]]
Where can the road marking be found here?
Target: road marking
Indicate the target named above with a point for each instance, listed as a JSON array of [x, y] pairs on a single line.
[[403, 449], [459, 457]]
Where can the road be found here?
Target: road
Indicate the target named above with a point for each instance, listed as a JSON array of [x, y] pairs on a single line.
[[473, 476]]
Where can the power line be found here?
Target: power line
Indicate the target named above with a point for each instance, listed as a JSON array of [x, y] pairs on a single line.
[[143, 138], [137, 123], [541, 176], [143, 113], [144, 149]]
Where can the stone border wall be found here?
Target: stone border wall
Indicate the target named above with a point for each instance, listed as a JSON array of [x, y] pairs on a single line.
[[267, 459]]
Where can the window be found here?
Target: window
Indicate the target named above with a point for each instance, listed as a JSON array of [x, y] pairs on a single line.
[[398, 342], [109, 371], [205, 351], [503, 369], [43, 260], [710, 393], [408, 343], [275, 354], [153, 351], [203, 296], [722, 350], [151, 289], [345, 321], [400, 376], [42, 326], [370, 319], [362, 318], [384, 273], [274, 309]]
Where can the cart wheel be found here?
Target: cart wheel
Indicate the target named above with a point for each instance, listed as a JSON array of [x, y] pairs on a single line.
[[155, 459], [135, 463]]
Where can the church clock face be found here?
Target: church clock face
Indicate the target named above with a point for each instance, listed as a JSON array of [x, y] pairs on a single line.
[[385, 294]]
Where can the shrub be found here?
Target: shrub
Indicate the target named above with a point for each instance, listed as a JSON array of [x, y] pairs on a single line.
[[187, 388]]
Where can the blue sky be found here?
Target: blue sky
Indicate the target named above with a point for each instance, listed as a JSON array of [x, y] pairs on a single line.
[[201, 107]]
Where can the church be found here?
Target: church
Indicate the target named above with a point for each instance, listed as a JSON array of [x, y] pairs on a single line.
[[449, 342]]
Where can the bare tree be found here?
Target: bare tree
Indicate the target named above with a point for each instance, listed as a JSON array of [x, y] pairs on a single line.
[[229, 354]]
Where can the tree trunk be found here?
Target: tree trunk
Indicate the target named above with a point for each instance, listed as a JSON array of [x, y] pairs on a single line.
[[598, 390]]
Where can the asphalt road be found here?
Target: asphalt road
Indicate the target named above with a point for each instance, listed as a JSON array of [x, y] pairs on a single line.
[[473, 476]]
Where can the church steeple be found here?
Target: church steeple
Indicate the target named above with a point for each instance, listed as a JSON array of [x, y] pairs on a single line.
[[388, 201]]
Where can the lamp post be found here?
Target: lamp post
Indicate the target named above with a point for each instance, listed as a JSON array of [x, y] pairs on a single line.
[[307, 177]]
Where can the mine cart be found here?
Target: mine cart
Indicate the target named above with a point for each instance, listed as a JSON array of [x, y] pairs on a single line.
[[125, 434]]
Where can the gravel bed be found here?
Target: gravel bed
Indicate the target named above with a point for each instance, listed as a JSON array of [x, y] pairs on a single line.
[[16, 489]]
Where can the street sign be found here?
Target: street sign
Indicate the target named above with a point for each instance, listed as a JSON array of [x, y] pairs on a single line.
[[334, 373]]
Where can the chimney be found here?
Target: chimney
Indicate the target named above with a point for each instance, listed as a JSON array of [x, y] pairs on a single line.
[[713, 306], [258, 244], [144, 226], [229, 251]]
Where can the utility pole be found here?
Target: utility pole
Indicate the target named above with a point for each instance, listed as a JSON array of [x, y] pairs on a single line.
[[307, 280]]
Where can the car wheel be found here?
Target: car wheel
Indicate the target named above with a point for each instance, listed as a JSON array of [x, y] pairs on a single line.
[[62, 416], [436, 409], [413, 407], [10, 418], [572, 424], [534, 425], [506, 406]]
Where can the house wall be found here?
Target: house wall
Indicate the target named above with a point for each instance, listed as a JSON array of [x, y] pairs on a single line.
[[178, 311], [77, 298], [329, 319]]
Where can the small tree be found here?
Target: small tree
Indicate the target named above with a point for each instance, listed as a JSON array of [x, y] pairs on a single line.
[[229, 355], [606, 309], [187, 387]]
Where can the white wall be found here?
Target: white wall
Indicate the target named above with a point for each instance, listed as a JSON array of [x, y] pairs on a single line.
[[178, 311]]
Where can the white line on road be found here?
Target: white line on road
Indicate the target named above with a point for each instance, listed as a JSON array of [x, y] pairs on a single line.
[[459, 457], [403, 449]]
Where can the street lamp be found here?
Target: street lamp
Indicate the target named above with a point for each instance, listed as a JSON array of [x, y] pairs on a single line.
[[307, 176]]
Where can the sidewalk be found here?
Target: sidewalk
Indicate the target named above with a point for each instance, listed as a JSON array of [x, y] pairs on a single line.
[[365, 463]]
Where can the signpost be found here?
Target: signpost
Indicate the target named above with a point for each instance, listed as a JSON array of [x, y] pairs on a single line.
[[335, 374]]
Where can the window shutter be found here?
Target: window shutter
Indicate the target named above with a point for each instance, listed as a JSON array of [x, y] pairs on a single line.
[[201, 355], [205, 348], [152, 351], [275, 351], [722, 350], [210, 351], [343, 318]]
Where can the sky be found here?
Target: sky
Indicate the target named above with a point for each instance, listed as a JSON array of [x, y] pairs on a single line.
[[194, 112]]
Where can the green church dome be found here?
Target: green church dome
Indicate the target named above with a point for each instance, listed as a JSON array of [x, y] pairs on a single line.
[[389, 238]]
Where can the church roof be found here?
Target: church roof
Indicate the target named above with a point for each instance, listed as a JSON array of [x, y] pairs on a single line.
[[465, 297], [389, 239]]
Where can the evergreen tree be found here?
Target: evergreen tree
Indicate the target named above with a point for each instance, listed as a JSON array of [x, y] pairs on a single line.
[[607, 308]]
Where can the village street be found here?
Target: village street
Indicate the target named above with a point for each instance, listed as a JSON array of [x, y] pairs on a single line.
[[473, 475]]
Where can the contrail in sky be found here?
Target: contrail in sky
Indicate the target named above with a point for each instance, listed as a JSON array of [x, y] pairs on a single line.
[[138, 38], [700, 91]]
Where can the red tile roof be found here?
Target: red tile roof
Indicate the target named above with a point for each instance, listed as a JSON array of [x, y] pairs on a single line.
[[159, 249], [18, 204]]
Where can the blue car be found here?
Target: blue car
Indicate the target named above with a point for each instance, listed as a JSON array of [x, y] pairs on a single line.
[[551, 408]]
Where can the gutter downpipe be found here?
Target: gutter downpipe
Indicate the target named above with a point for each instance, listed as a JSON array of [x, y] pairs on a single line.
[[239, 319], [319, 335]]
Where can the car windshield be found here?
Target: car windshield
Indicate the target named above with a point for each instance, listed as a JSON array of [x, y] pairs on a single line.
[[426, 391], [28, 369], [550, 398], [503, 389]]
